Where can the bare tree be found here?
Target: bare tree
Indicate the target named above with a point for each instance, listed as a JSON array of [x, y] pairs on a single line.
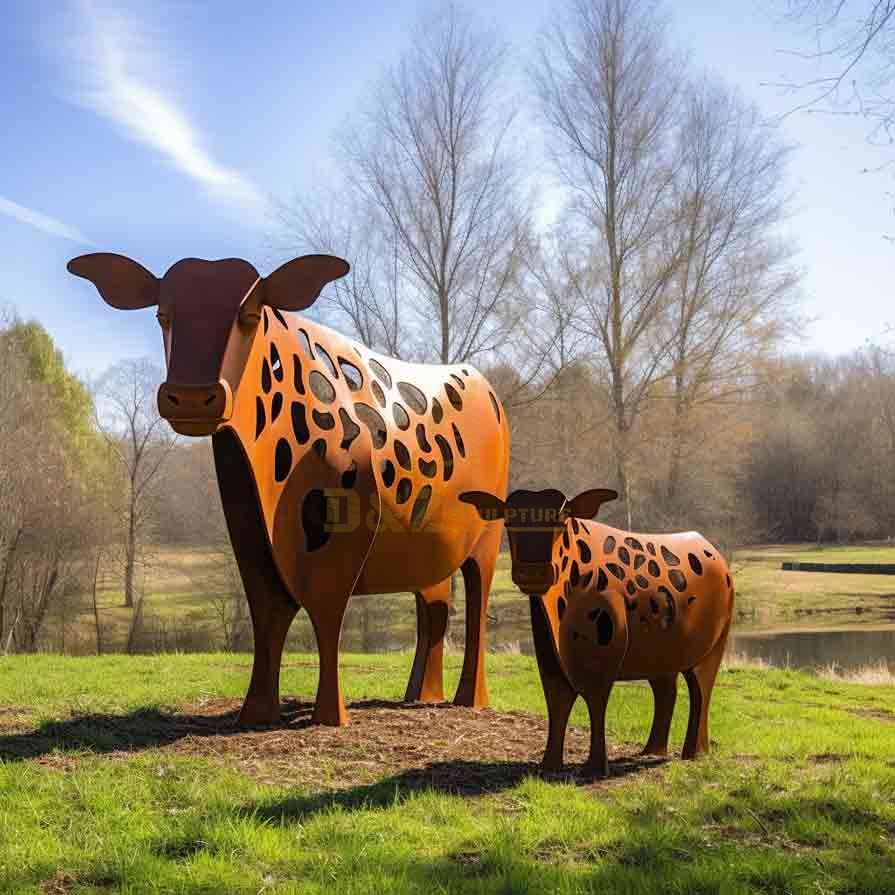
[[731, 293], [141, 442], [609, 88], [851, 49], [434, 180]]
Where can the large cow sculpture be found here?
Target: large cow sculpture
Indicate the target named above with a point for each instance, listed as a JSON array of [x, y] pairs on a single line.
[[610, 605], [338, 468]]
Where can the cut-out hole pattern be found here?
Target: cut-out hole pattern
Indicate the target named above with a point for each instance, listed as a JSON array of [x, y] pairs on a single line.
[[319, 448], [624, 556], [415, 399], [350, 429], [437, 411], [602, 580], [458, 440], [305, 343], [296, 375], [447, 456], [300, 423], [574, 574], [616, 570], [670, 557], [639, 560], [453, 396], [402, 455], [458, 380], [388, 473], [276, 406], [370, 417], [349, 476], [605, 629], [276, 365], [676, 577], [583, 551], [695, 564], [429, 468], [325, 421], [634, 544], [565, 539], [421, 439], [402, 420], [651, 548], [281, 318], [585, 581], [609, 544], [402, 492], [321, 387], [629, 587], [378, 393], [381, 373], [654, 569], [260, 416], [324, 355], [641, 581], [266, 383], [353, 376], [282, 460]]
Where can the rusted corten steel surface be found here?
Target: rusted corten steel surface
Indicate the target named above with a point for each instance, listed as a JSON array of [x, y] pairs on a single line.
[[609, 605], [339, 469]]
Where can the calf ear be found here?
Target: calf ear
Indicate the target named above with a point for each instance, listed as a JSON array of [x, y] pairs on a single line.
[[296, 284], [122, 283], [490, 506], [587, 504]]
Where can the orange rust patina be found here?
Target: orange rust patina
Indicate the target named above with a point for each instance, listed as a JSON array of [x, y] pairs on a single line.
[[610, 605], [339, 469]]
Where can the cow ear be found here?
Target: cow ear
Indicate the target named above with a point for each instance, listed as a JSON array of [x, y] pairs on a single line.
[[490, 506], [296, 284], [587, 504], [122, 283]]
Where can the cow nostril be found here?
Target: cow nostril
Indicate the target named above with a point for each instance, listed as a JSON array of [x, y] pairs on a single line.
[[173, 399], [208, 400]]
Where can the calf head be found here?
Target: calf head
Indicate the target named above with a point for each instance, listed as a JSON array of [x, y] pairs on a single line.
[[209, 313], [534, 520]]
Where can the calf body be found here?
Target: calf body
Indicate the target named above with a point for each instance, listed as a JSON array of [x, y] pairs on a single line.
[[338, 468], [610, 605]]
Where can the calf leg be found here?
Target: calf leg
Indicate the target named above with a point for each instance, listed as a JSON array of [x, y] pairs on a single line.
[[329, 707], [700, 682], [597, 764], [271, 619], [664, 697], [478, 572], [558, 692], [426, 682]]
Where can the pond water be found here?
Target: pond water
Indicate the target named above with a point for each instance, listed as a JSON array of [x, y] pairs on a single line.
[[848, 648]]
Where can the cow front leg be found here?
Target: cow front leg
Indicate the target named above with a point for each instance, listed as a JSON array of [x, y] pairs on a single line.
[[478, 572], [597, 764], [700, 683], [664, 698], [329, 706], [426, 683], [271, 619]]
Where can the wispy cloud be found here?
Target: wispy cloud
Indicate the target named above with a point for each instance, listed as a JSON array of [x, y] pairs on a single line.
[[116, 71], [41, 221]]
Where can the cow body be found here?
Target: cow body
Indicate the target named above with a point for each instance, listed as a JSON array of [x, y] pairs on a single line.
[[610, 605], [338, 468]]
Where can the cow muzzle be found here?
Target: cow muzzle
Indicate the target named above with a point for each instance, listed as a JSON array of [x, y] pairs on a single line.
[[533, 577], [195, 409]]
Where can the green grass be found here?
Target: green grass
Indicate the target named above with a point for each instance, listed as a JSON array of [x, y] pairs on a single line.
[[797, 796]]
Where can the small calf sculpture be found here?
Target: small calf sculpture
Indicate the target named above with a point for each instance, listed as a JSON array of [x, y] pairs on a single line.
[[610, 605]]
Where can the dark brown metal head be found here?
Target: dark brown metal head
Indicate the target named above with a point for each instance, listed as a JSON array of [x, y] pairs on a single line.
[[209, 313], [534, 520]]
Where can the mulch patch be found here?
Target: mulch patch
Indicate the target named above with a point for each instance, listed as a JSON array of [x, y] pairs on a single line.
[[455, 749]]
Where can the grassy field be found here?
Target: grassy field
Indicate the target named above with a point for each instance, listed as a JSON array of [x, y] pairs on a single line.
[[124, 774], [180, 611]]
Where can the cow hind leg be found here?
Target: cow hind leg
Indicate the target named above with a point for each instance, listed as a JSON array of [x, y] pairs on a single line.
[[329, 706], [271, 619], [478, 572], [426, 682], [700, 683], [664, 697]]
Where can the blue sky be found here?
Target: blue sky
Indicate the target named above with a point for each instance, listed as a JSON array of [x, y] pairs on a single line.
[[165, 129]]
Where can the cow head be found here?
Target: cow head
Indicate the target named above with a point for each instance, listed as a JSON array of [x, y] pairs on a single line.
[[534, 520], [209, 313]]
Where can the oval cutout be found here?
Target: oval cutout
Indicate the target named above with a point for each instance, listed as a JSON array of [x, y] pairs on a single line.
[[350, 429], [353, 376], [300, 423], [322, 389], [402, 455], [414, 397], [325, 357], [402, 420], [447, 456], [282, 460], [453, 396], [420, 505], [371, 418], [380, 372], [437, 411]]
